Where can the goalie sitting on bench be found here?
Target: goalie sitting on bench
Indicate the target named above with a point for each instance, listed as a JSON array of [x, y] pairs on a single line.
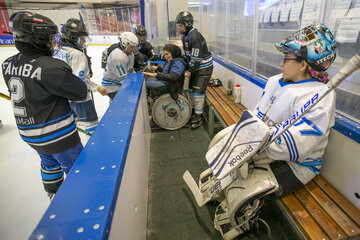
[[295, 157], [171, 75]]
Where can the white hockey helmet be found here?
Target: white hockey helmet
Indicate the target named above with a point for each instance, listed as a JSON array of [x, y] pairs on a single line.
[[128, 39]]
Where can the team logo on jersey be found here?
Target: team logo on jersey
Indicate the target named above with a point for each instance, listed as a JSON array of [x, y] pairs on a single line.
[[272, 99]]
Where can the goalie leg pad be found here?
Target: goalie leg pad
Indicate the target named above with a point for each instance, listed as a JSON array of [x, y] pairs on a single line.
[[243, 200], [238, 146]]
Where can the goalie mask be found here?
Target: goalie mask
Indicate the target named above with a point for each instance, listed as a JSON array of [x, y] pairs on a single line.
[[74, 33], [315, 44], [33, 28]]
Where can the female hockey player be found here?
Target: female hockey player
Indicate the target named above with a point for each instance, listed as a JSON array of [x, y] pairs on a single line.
[[308, 53], [200, 64], [170, 74], [40, 87], [72, 43], [295, 157], [119, 63]]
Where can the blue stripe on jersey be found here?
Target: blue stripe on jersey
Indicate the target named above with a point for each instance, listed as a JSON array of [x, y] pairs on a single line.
[[107, 82], [117, 66], [207, 57], [287, 145], [40, 125], [197, 59], [302, 81], [50, 137], [293, 141], [122, 69], [206, 64], [291, 146]]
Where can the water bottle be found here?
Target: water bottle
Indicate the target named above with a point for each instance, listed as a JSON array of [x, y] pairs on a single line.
[[237, 93]]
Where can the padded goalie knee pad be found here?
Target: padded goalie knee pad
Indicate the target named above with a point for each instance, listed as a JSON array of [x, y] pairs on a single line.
[[238, 212], [52, 178]]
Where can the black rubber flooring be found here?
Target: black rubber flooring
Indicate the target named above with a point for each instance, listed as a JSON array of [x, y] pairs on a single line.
[[172, 211]]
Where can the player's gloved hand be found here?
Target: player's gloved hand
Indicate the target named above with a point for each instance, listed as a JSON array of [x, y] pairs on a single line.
[[102, 90], [146, 70]]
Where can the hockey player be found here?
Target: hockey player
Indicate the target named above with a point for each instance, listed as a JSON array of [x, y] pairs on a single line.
[[170, 74], [200, 64], [295, 157], [119, 63], [145, 49], [40, 87], [72, 44]]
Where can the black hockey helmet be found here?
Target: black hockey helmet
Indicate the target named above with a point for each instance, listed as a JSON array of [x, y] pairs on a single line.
[[72, 31], [140, 30], [33, 28], [185, 18]]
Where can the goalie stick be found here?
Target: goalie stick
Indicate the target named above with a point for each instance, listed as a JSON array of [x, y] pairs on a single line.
[[78, 128], [219, 184]]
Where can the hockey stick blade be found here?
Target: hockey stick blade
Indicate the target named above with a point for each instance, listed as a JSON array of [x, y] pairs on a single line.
[[199, 196]]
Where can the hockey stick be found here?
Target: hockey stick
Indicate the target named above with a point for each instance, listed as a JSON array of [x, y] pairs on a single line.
[[78, 128], [5, 96], [219, 184]]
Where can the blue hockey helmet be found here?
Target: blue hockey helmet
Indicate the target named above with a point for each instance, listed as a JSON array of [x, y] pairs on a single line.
[[315, 44]]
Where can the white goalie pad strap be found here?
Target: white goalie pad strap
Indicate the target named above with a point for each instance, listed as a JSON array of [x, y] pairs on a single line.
[[238, 146]]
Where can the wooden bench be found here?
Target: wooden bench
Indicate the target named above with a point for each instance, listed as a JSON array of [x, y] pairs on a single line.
[[316, 211], [223, 107]]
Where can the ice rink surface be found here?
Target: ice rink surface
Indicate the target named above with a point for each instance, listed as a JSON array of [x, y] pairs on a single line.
[[23, 200]]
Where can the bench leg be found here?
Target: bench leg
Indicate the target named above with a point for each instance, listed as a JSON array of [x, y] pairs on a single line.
[[211, 120]]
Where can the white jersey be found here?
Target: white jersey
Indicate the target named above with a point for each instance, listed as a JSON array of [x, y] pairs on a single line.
[[80, 66], [304, 143], [118, 65]]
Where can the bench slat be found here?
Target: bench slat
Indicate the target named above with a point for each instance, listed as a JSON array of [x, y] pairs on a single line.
[[223, 102], [339, 199], [319, 215], [306, 222], [210, 97], [227, 119], [231, 97], [236, 109], [222, 95], [333, 210]]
